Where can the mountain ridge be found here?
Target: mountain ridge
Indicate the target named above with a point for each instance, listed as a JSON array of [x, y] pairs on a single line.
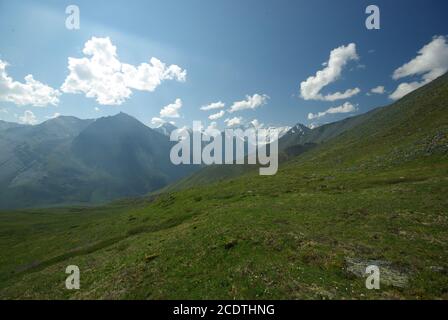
[[298, 141], [67, 160]]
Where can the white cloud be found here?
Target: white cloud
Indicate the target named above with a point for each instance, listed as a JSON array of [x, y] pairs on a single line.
[[3, 110], [55, 115], [96, 109], [431, 62], [342, 95], [378, 90], [28, 118], [32, 92], [251, 102], [216, 116], [211, 129], [157, 121], [213, 106], [339, 57], [233, 121], [102, 76], [405, 88], [345, 108], [171, 110]]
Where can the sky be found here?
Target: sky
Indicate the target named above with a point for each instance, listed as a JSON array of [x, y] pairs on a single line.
[[224, 63]]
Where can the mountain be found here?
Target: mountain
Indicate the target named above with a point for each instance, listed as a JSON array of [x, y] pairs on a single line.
[[290, 139], [166, 128], [4, 125], [301, 135], [134, 157], [213, 173], [28, 154], [68, 161], [298, 140], [296, 134], [371, 192], [292, 142]]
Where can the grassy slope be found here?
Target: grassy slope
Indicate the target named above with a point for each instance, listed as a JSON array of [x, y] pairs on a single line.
[[378, 191]]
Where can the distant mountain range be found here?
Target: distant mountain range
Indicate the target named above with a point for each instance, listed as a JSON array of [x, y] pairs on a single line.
[[72, 161], [300, 139], [67, 160]]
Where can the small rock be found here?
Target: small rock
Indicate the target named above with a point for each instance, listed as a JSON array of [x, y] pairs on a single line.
[[230, 244], [388, 275]]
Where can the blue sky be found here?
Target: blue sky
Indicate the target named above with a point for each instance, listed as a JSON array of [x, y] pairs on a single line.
[[230, 49]]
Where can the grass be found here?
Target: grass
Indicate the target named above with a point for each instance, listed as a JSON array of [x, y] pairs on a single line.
[[287, 236]]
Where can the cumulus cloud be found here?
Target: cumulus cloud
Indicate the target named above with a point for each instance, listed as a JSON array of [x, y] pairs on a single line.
[[171, 110], [54, 116], [28, 118], [339, 57], [378, 90], [216, 116], [345, 108], [31, 92], [233, 121], [213, 106], [102, 76], [212, 129], [431, 62], [157, 121], [251, 102], [405, 88]]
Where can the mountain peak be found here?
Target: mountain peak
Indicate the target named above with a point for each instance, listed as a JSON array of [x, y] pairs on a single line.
[[120, 119], [299, 128], [63, 119], [122, 115]]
